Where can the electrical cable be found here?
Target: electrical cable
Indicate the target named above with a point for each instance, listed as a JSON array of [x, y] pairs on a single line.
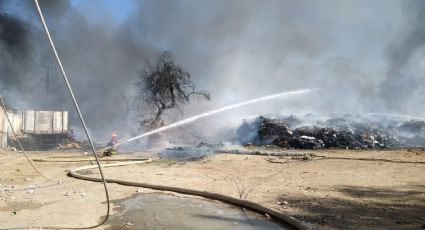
[[57, 159], [17, 140], [65, 78]]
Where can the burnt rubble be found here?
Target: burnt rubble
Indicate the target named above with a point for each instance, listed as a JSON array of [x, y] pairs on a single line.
[[344, 132], [44, 142], [189, 153]]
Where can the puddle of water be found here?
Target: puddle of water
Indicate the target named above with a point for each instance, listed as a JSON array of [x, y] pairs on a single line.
[[160, 211]]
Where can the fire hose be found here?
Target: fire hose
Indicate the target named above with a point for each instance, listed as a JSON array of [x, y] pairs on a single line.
[[289, 221]]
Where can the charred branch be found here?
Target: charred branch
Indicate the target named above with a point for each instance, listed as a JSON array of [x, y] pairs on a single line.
[[162, 86]]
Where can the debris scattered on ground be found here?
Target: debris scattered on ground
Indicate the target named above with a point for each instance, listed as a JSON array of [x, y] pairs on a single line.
[[282, 202], [187, 153], [65, 141], [128, 224], [71, 143], [12, 149]]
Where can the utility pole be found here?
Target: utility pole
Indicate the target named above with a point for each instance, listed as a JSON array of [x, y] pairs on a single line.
[[48, 68]]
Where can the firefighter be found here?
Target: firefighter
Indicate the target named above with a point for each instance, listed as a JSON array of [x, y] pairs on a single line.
[[112, 146]]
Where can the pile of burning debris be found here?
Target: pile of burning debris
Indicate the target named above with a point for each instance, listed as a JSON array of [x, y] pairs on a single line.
[[347, 131]]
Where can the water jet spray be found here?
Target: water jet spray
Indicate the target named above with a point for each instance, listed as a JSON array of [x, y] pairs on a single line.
[[212, 112]]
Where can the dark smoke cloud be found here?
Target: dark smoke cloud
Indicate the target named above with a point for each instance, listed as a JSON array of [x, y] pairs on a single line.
[[14, 47], [101, 60]]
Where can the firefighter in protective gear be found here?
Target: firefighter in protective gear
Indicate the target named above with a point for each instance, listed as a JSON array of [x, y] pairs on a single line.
[[112, 145]]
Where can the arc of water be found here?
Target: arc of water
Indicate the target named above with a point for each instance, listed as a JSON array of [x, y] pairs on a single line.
[[212, 112]]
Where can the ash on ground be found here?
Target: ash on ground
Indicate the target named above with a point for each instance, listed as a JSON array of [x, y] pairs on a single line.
[[189, 153], [204, 149], [342, 132]]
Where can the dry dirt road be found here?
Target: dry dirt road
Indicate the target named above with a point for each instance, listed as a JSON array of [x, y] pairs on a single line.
[[346, 189]]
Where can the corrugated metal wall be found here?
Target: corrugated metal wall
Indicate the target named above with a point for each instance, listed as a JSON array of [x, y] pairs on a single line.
[[29, 122], [45, 122], [33, 122]]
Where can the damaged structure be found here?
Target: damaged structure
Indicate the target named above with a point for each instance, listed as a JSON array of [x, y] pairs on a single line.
[[35, 129]]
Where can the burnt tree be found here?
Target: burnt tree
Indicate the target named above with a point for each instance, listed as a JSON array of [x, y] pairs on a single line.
[[163, 85]]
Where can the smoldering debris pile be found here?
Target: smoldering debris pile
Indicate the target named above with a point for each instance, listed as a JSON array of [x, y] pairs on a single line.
[[44, 142], [71, 143], [347, 132], [188, 153]]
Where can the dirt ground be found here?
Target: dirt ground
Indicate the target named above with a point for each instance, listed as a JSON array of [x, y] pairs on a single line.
[[346, 189]]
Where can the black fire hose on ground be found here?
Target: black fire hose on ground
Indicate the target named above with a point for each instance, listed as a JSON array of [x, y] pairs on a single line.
[[281, 217], [75, 159]]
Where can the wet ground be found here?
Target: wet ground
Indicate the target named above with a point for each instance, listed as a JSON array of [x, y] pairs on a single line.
[[161, 211]]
